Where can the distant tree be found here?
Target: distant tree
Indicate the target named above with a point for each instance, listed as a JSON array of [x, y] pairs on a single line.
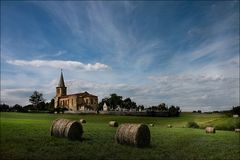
[[140, 107], [162, 107], [104, 100], [17, 108], [28, 107], [194, 111], [100, 106], [236, 110], [50, 106], [174, 111], [154, 108], [4, 107], [199, 111], [42, 106], [129, 104], [115, 101], [36, 98], [134, 105]]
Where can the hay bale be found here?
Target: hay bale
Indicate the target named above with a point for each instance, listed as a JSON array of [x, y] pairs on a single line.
[[169, 126], [82, 121], [235, 116], [67, 128], [210, 130], [113, 124], [237, 130], [151, 125], [133, 134]]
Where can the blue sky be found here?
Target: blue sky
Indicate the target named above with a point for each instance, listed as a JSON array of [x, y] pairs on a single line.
[[180, 53]]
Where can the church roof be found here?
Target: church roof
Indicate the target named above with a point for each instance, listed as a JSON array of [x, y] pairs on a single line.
[[61, 81], [84, 94]]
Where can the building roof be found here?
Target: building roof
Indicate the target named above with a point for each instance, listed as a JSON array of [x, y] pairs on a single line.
[[61, 81], [83, 94]]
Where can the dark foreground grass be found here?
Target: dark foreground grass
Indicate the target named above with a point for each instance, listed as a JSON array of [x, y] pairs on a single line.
[[27, 136]]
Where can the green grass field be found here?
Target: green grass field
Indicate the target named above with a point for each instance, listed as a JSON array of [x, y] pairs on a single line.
[[27, 136]]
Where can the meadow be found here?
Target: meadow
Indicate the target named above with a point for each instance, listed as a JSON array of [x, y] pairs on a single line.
[[27, 136]]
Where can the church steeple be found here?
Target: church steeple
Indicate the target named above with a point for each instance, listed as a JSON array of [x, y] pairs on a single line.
[[61, 90], [61, 81]]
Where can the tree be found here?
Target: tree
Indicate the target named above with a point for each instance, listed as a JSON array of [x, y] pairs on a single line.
[[28, 107], [115, 101], [140, 107], [174, 111], [36, 98], [236, 110], [17, 108], [104, 100], [129, 104], [50, 106], [4, 107], [162, 107], [41, 106]]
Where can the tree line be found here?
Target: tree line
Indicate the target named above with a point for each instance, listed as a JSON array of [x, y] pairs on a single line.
[[37, 104], [115, 101]]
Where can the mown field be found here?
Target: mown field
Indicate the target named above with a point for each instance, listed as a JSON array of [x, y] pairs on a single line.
[[27, 136]]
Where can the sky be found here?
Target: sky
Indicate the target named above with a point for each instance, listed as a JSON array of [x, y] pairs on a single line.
[[176, 52]]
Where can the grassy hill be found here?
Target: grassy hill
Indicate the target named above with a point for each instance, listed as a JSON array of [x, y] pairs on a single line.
[[27, 136]]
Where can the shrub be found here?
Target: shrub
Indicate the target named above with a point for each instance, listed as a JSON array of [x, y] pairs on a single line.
[[192, 124], [237, 123]]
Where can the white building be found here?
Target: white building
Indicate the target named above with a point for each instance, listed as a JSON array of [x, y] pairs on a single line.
[[105, 107]]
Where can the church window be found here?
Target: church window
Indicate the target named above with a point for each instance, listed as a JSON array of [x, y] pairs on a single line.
[[91, 101]]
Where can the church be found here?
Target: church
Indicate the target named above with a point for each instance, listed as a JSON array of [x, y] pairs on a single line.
[[74, 102]]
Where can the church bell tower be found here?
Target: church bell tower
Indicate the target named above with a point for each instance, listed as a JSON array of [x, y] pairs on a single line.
[[61, 90]]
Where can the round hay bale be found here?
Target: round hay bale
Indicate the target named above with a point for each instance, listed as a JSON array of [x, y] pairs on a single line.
[[113, 124], [237, 130], [133, 134], [235, 116], [151, 125], [169, 126], [82, 121], [210, 130], [67, 128]]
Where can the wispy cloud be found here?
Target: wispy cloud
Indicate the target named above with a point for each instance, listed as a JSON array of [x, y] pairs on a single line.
[[60, 64]]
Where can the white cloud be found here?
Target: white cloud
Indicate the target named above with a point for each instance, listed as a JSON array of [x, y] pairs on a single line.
[[15, 96], [60, 64], [197, 91], [189, 91]]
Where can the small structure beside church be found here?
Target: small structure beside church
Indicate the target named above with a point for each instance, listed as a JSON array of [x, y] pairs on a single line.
[[105, 107], [74, 102]]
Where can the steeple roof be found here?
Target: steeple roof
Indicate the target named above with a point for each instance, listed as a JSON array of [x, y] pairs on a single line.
[[61, 81]]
